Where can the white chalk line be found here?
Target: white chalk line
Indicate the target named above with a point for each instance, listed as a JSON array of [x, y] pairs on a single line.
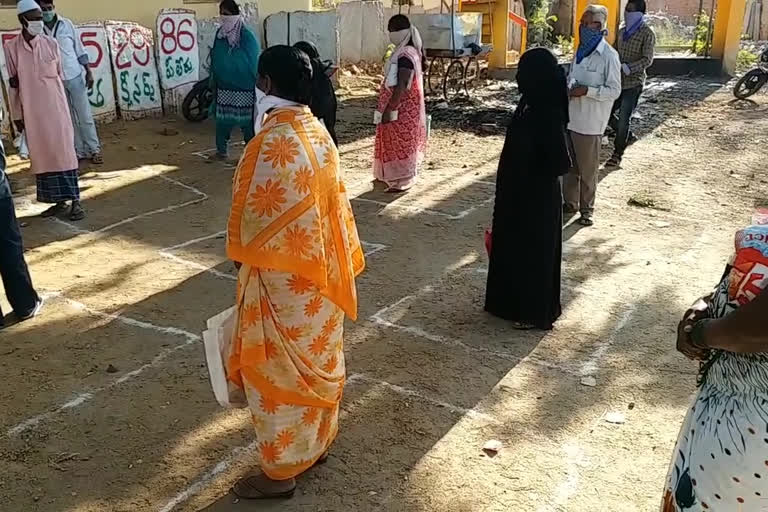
[[574, 457], [241, 451], [472, 413], [450, 216], [86, 396], [369, 249], [591, 365], [209, 475], [202, 196]]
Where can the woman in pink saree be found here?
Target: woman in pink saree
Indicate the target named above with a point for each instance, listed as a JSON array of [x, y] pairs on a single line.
[[401, 135]]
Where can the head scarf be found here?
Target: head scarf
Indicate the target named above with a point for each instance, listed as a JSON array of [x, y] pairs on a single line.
[[543, 85], [231, 27], [26, 6]]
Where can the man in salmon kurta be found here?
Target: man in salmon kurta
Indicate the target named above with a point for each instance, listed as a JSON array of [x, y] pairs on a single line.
[[39, 108]]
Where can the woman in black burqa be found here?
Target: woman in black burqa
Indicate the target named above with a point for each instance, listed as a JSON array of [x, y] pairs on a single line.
[[323, 103], [526, 245]]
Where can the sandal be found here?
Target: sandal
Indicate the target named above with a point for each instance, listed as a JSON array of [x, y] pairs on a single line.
[[613, 162], [586, 221], [97, 159], [248, 488], [77, 212], [54, 210]]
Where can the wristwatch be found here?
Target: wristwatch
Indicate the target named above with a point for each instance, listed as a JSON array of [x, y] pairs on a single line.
[[698, 333]]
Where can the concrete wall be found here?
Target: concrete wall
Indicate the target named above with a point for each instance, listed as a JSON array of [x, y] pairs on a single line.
[[144, 11], [321, 28]]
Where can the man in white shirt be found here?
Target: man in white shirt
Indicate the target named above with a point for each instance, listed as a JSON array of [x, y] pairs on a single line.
[[595, 83], [77, 78]]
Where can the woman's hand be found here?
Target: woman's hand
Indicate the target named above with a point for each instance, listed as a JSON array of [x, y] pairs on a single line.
[[386, 116], [237, 264], [699, 311]]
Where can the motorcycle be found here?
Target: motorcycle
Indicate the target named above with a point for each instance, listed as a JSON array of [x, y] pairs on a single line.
[[197, 104], [754, 79]]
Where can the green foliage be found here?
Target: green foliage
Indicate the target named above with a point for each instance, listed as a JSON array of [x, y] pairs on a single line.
[[701, 34], [565, 45], [539, 23], [745, 59]]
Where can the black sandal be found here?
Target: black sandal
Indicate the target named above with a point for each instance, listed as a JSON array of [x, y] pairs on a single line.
[[247, 489], [77, 212], [586, 221], [54, 210]]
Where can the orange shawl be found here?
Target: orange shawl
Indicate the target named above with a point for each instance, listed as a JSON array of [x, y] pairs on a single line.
[[290, 210]]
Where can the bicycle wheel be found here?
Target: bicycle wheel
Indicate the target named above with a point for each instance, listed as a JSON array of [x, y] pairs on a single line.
[[471, 75], [435, 74], [453, 84], [750, 83]]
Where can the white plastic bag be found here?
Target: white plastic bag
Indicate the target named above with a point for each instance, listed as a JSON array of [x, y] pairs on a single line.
[[218, 345]]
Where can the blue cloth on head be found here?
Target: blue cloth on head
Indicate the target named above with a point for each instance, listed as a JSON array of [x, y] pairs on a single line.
[[589, 38], [632, 22]]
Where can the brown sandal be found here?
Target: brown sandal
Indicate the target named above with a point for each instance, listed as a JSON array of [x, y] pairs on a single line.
[[97, 159]]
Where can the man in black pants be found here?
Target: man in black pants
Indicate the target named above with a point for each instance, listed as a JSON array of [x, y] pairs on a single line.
[[18, 285], [636, 44]]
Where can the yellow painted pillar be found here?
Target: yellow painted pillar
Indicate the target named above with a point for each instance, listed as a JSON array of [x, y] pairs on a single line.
[[726, 35]]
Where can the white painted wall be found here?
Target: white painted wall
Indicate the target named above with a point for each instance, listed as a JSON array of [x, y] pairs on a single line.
[[319, 27]]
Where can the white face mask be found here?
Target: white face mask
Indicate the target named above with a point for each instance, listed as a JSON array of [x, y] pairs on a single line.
[[399, 36], [35, 28]]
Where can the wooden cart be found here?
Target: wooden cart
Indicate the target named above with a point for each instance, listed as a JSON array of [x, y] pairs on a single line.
[[452, 73]]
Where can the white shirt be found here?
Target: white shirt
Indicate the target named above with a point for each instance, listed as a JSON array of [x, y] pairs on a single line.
[[70, 46], [600, 72]]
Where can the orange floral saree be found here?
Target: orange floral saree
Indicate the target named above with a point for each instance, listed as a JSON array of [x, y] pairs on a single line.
[[291, 226]]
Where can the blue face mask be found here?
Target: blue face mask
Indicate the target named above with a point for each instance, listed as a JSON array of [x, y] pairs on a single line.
[[589, 38], [587, 33], [632, 18], [49, 16]]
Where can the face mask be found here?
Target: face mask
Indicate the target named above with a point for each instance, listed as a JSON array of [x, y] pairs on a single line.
[[631, 18], [588, 34], [35, 28], [399, 36], [49, 16]]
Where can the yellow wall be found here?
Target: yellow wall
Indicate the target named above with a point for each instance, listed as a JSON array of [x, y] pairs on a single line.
[[726, 37], [144, 11]]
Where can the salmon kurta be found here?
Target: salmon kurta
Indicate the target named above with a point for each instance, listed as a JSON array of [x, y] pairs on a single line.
[[291, 225], [40, 101]]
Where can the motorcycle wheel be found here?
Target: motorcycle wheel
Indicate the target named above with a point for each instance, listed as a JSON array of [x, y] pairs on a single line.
[[750, 83], [196, 104]]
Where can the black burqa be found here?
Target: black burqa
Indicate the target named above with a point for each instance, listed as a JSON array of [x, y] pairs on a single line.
[[323, 103], [526, 251]]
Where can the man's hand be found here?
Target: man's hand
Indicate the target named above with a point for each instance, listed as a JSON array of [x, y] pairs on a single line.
[[699, 311], [19, 125], [578, 92], [89, 79]]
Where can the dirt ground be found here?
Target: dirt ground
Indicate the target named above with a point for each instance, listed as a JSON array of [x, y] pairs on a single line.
[[106, 404]]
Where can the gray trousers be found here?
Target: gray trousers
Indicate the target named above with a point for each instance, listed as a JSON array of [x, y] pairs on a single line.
[[86, 138], [580, 185]]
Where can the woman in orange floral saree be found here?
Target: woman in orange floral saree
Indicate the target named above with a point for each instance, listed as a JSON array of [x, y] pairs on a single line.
[[293, 235]]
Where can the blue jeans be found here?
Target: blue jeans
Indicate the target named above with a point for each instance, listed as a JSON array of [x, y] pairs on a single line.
[[86, 138], [13, 269], [621, 118]]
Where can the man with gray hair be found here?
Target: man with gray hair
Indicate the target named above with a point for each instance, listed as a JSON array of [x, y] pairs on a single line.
[[594, 84]]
